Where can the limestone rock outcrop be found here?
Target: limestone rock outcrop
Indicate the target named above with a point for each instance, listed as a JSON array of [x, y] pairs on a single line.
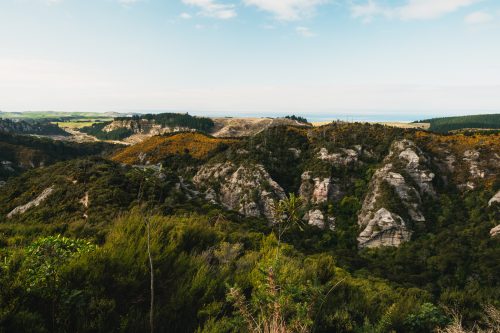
[[316, 191], [33, 203], [248, 189], [384, 229], [317, 218], [494, 232], [344, 157], [143, 126], [406, 172], [494, 199]]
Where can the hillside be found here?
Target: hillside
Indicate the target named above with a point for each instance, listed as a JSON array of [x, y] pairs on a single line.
[[370, 228], [19, 153], [447, 124], [89, 191], [31, 127], [158, 148], [148, 124], [57, 116], [241, 127], [135, 129]]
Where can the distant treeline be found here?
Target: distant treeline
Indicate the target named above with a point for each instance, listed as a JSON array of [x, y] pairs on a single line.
[[21, 152], [30, 127], [446, 124], [96, 130], [164, 119], [176, 120], [297, 118]]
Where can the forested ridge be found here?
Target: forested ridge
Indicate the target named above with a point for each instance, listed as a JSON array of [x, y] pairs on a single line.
[[446, 124], [182, 204], [141, 123], [19, 153], [30, 127]]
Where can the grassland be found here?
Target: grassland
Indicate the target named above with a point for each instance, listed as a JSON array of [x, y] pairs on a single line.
[[79, 123]]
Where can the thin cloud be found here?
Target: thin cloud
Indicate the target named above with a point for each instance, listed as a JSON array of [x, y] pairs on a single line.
[[185, 16], [211, 8], [287, 10], [478, 17], [304, 32], [412, 10]]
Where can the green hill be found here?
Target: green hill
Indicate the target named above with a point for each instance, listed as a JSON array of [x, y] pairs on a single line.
[[30, 127], [264, 229], [123, 127], [446, 124], [22, 152]]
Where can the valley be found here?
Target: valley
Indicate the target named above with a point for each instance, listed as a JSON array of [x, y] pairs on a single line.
[[399, 223]]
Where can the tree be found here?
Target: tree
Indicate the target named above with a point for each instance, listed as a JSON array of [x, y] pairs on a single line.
[[44, 260]]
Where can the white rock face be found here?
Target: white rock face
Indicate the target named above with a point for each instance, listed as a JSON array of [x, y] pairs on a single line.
[[248, 189], [494, 232], [315, 217], [382, 227], [344, 158], [494, 199], [143, 126], [316, 190], [472, 157], [34, 203], [321, 190]]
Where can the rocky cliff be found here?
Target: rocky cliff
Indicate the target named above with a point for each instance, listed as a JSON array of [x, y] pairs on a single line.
[[24, 127], [398, 185], [248, 189], [316, 192], [143, 126]]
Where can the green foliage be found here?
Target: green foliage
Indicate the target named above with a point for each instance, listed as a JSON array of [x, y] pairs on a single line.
[[44, 259], [426, 319], [96, 130], [297, 118], [320, 282], [163, 119], [444, 125], [30, 127], [25, 152], [176, 120]]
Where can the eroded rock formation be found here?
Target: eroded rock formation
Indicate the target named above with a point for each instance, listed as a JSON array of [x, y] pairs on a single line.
[[406, 174], [248, 189]]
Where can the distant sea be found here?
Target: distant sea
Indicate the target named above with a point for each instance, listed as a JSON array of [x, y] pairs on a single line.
[[317, 117]]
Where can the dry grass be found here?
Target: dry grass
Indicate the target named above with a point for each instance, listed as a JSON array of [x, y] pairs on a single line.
[[491, 323], [272, 319]]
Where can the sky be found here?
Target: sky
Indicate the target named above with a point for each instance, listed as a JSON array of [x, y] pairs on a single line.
[[411, 58]]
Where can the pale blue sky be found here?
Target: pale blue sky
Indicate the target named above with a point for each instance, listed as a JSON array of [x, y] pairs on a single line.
[[418, 57]]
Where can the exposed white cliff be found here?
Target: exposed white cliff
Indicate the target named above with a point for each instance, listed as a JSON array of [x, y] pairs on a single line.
[[494, 232], [472, 157], [143, 126], [381, 227], [33, 203], [316, 191], [384, 229], [85, 201], [248, 189], [344, 157], [494, 199]]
